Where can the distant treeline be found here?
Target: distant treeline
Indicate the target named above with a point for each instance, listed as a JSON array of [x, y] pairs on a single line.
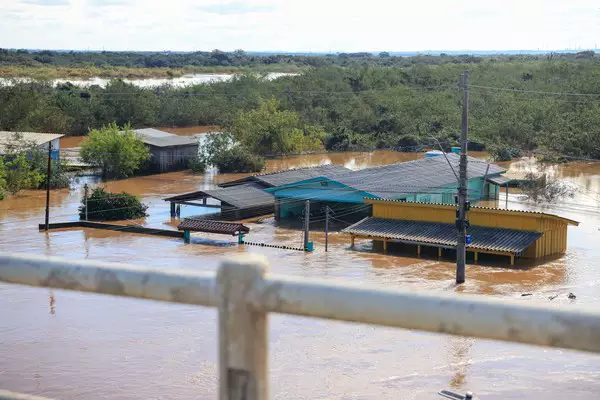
[[358, 108], [239, 58]]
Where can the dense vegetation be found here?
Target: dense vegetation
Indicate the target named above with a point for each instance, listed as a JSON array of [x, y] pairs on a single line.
[[24, 166], [227, 154], [118, 153], [106, 206], [352, 108], [165, 62]]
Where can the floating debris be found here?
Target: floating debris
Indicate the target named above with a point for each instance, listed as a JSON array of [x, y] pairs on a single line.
[[572, 296]]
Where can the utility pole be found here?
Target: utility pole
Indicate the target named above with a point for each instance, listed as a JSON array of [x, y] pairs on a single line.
[[85, 189], [48, 174], [306, 223], [326, 227], [461, 221]]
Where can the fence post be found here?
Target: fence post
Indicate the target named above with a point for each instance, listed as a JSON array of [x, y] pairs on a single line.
[[243, 331]]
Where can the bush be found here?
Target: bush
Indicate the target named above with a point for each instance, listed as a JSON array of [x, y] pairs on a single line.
[[503, 152], [107, 206], [197, 165], [238, 159]]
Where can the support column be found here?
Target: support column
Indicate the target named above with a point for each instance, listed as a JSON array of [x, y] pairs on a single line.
[[172, 209], [439, 251], [351, 240], [277, 208], [512, 259], [187, 236], [385, 245], [476, 256], [243, 331], [418, 250]]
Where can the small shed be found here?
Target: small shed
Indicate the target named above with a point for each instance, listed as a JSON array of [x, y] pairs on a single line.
[[211, 226], [169, 152], [513, 233], [40, 140], [237, 202]]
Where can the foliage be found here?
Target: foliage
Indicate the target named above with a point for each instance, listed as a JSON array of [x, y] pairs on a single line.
[[542, 186], [2, 179], [197, 165], [20, 174], [503, 152], [107, 206], [118, 153], [223, 152], [238, 159], [268, 130], [346, 101]]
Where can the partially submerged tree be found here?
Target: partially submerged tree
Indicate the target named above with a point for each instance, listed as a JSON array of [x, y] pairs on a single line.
[[542, 185], [118, 153], [106, 206], [270, 131], [222, 151]]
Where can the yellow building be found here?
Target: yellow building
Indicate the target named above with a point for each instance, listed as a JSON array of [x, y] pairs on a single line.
[[512, 233]]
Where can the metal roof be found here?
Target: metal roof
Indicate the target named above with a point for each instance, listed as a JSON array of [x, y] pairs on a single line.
[[389, 181], [497, 210], [7, 138], [242, 196], [151, 132], [444, 235], [500, 180], [156, 138], [279, 178], [211, 226]]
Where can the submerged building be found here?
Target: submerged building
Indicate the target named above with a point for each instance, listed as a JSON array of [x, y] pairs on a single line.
[[431, 180], [168, 152], [39, 140], [512, 233]]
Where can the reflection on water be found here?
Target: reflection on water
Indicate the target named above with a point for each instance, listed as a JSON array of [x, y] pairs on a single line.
[[94, 347]]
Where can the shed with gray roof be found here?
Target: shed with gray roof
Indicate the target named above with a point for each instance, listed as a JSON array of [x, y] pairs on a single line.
[[169, 152]]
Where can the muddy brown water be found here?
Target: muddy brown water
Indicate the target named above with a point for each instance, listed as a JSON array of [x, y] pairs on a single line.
[[69, 345]]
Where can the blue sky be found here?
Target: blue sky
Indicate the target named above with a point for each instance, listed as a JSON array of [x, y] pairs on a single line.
[[300, 25]]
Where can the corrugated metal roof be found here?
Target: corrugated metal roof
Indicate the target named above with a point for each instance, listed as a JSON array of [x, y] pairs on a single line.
[[211, 226], [435, 233], [389, 181], [156, 138], [500, 180], [151, 132], [242, 196], [499, 210], [31, 137], [279, 178]]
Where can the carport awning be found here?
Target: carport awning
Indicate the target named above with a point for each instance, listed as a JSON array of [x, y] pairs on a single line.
[[500, 180], [439, 234]]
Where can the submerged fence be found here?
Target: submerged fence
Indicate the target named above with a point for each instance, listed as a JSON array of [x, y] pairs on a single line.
[[245, 293]]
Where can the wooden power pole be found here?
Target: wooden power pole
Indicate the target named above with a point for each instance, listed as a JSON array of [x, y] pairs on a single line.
[[306, 223], [461, 221], [48, 175]]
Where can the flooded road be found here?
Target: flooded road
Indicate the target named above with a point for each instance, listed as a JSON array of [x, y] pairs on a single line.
[[69, 345]]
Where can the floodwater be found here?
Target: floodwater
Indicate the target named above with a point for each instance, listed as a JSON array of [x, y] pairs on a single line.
[[180, 81], [69, 345]]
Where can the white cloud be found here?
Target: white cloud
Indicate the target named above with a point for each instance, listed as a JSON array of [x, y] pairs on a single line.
[[300, 25]]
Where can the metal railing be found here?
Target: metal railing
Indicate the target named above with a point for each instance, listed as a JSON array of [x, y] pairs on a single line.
[[245, 293]]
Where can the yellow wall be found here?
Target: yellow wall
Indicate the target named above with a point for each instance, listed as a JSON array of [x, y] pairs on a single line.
[[554, 228]]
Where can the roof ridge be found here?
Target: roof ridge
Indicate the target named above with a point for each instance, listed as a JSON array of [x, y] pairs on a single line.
[[298, 169], [473, 206]]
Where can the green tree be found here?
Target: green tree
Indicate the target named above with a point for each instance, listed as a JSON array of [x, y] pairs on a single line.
[[20, 174], [118, 153], [2, 179], [106, 206], [268, 130]]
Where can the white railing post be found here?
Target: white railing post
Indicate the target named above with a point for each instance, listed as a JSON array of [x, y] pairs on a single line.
[[243, 331]]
